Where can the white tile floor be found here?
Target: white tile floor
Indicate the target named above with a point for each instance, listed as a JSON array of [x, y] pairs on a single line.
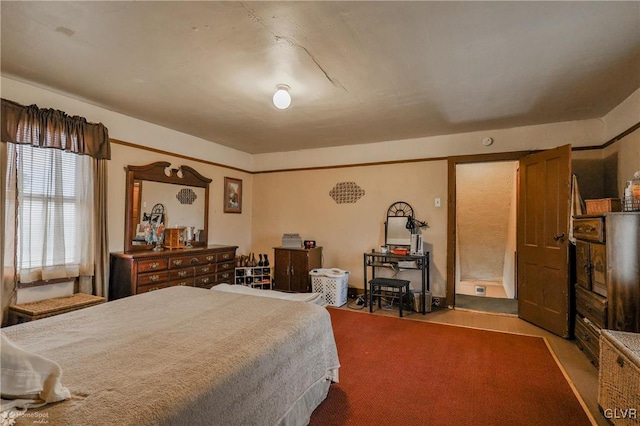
[[492, 288]]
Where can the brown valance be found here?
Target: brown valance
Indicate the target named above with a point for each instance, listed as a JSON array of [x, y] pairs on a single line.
[[50, 128]]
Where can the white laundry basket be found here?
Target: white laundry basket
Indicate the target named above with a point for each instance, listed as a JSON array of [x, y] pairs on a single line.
[[331, 283]]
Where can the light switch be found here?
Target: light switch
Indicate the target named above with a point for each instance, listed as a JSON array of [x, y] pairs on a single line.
[[437, 202]]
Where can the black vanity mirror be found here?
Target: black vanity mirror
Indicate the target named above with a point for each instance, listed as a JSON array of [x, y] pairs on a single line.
[[397, 233], [180, 196], [400, 225]]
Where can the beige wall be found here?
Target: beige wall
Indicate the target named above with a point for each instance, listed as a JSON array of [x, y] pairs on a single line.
[[627, 151], [299, 201], [602, 173]]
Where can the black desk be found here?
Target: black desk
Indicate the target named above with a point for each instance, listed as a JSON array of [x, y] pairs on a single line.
[[375, 260]]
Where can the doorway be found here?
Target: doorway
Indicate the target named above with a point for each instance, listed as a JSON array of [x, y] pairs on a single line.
[[486, 217], [455, 258]]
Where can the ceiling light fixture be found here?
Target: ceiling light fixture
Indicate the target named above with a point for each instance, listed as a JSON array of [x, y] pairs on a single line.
[[282, 98]]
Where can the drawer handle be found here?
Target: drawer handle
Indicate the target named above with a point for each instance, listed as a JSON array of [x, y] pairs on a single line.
[[226, 275], [585, 228], [154, 278], [154, 265], [177, 262], [210, 258], [620, 361], [586, 337], [205, 269], [194, 261], [226, 256], [183, 283], [154, 288], [182, 273], [205, 280]]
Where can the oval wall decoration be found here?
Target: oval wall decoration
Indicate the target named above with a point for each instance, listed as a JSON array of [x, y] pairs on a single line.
[[346, 192], [186, 196]]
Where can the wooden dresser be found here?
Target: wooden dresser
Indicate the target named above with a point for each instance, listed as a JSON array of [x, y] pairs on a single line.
[[607, 277], [142, 271]]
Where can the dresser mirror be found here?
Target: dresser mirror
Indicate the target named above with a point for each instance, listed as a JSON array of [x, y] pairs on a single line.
[[183, 195]]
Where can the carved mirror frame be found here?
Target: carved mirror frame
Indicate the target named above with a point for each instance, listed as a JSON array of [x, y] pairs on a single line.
[[162, 172]]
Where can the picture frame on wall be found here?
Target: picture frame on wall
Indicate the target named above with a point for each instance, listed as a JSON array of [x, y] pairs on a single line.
[[232, 195]]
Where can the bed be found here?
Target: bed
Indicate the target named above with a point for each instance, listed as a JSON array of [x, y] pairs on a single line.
[[187, 356], [316, 298]]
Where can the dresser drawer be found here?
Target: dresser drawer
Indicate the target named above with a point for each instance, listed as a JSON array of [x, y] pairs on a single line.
[[225, 256], [184, 282], [591, 306], [148, 288], [225, 277], [226, 266], [591, 228], [587, 339], [179, 274], [205, 281], [153, 278], [208, 258], [152, 265], [206, 269], [183, 261]]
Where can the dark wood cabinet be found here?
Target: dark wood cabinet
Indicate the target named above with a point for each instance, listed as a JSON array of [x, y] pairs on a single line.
[[143, 271], [292, 266], [591, 284], [607, 277]]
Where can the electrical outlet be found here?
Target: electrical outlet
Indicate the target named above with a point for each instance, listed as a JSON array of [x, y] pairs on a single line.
[[437, 202]]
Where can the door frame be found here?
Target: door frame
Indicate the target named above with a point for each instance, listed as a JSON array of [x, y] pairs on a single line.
[[452, 162]]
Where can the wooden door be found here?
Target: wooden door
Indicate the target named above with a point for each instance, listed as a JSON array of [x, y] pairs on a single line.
[[543, 227], [300, 281], [583, 264], [598, 258], [281, 274]]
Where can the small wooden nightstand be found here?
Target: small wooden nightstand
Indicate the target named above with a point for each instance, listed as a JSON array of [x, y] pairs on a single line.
[[31, 311]]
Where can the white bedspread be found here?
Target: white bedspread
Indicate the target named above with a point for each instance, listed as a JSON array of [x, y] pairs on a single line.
[[296, 297], [187, 356]]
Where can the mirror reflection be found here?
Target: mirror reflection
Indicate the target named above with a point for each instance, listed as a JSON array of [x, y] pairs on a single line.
[[183, 207], [397, 233]]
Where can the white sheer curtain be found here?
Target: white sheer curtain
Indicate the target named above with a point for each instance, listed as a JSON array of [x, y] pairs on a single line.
[[55, 229]]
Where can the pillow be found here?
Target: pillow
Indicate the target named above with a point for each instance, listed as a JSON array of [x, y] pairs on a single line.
[[28, 380]]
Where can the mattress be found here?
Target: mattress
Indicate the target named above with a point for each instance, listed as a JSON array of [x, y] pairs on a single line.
[[296, 297], [185, 355]]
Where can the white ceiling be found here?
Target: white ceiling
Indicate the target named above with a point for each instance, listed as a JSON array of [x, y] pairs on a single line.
[[359, 72]]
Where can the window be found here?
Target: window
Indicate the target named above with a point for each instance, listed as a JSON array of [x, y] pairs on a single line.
[[54, 213]]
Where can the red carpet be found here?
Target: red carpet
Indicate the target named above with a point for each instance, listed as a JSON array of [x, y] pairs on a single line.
[[406, 372]]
